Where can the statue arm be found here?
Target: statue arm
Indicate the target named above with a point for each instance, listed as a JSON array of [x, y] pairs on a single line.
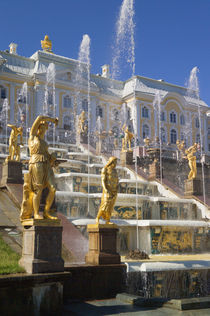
[[39, 119], [12, 126]]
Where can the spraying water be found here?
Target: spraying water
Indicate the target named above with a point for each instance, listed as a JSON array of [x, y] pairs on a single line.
[[193, 92], [124, 48], [24, 96], [4, 116], [49, 106], [84, 70], [157, 113]]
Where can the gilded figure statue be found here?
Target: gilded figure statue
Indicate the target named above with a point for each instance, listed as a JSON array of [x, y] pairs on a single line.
[[46, 44], [40, 174], [147, 141], [126, 141], [82, 126], [181, 146], [192, 160], [14, 147], [109, 180]]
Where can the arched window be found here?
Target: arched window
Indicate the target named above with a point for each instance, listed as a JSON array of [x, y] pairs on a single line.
[[99, 111], [85, 105], [145, 131], [197, 124], [145, 112], [162, 116], [163, 135], [173, 136], [198, 139], [182, 119], [115, 131], [67, 102], [172, 117], [3, 93], [67, 123], [115, 115]]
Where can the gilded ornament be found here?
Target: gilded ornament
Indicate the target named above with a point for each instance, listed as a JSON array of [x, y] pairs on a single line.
[[46, 44], [192, 161], [109, 180], [40, 174], [126, 141], [14, 147]]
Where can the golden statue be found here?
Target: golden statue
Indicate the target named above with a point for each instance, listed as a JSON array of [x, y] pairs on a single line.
[[14, 147], [147, 141], [192, 161], [126, 141], [46, 44], [40, 174], [181, 146], [109, 180], [82, 126]]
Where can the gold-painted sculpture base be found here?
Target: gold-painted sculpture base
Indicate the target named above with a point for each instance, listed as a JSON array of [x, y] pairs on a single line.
[[102, 244], [41, 222]]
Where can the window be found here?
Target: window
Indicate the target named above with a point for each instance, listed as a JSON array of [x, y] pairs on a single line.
[[67, 123], [182, 119], [208, 131], [115, 115], [67, 102], [209, 147], [115, 131], [173, 117], [145, 131], [162, 116], [163, 135], [129, 114], [85, 105], [198, 139], [145, 112], [99, 111], [3, 93], [197, 124], [173, 136]]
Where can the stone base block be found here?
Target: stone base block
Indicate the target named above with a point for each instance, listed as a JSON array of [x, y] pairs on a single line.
[[126, 158], [12, 172], [102, 244], [154, 170], [193, 187], [82, 138], [42, 247]]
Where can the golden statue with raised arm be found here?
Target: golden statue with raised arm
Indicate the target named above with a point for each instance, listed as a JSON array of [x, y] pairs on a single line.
[[46, 44], [126, 141], [109, 180], [14, 147], [40, 174], [82, 126], [192, 161]]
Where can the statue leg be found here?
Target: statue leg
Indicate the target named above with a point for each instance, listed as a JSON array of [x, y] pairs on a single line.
[[49, 201], [36, 201], [17, 153], [12, 152]]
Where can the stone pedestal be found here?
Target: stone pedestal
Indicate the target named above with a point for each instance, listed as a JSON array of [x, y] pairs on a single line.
[[193, 187], [102, 244], [154, 170], [42, 245], [126, 158], [12, 172]]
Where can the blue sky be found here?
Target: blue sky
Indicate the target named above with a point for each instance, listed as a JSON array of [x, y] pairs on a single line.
[[171, 36]]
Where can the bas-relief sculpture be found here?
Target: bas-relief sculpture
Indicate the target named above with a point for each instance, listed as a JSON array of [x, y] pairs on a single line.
[[192, 161], [40, 174], [109, 179], [126, 141], [14, 147]]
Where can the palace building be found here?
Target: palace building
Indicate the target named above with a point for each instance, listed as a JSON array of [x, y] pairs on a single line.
[[178, 112]]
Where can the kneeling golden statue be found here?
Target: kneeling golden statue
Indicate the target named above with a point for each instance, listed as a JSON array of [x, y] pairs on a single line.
[[40, 174], [109, 179]]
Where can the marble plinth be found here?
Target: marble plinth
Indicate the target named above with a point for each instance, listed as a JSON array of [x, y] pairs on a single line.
[[102, 244], [12, 172], [193, 187], [126, 158], [42, 245]]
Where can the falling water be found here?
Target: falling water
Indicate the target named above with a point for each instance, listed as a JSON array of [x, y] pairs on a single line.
[[49, 106], [157, 112], [24, 96], [193, 91], [124, 47], [4, 116], [84, 61]]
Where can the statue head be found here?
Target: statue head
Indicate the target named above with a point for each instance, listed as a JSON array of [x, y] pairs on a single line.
[[43, 126], [112, 161]]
